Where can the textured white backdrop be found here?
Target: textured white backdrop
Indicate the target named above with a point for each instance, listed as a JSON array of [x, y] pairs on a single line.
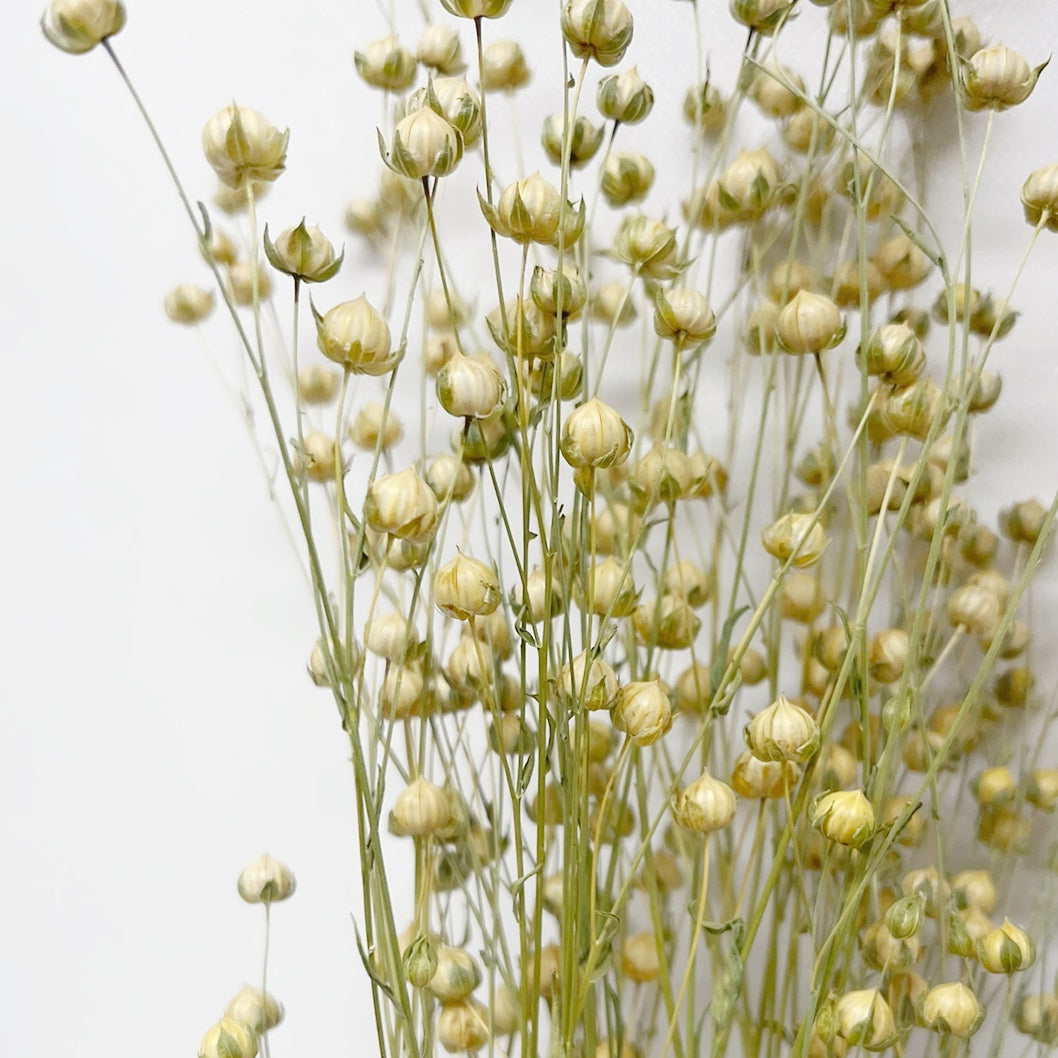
[[158, 730]]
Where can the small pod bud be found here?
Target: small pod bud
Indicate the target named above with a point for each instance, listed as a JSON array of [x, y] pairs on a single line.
[[77, 26], [902, 264], [803, 598], [450, 478], [265, 881], [318, 384], [1006, 950], [642, 711], [997, 77], [419, 960], [883, 951], [689, 581], [471, 387], [952, 1009], [810, 323], [903, 917], [504, 67], [374, 427], [357, 338], [1023, 522], [894, 354], [845, 817], [887, 654], [764, 16], [244, 147], [587, 683], [584, 140], [625, 97], [974, 889], [783, 732], [476, 8], [255, 1008], [648, 246], [705, 805], [463, 1025], [1039, 197], [465, 588], [994, 787], [668, 623], [531, 211], [683, 316], [640, 961], [597, 29], [777, 90], [386, 64], [440, 50], [457, 103], [559, 293], [626, 177], [304, 253], [865, 1019], [796, 537], [421, 810], [704, 108], [401, 505], [594, 435], [424, 144], [229, 1038], [757, 779], [746, 189], [929, 885], [248, 280], [457, 974], [1036, 1015], [188, 303]]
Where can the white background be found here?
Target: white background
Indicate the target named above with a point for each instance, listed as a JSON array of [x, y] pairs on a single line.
[[158, 729]]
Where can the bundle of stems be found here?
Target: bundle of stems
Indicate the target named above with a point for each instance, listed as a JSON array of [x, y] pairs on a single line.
[[667, 640]]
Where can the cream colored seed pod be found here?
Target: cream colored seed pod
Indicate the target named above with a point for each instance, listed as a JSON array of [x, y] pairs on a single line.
[[810, 323], [851, 281], [764, 16], [1004, 829], [1039, 197], [401, 505], [607, 589], [640, 961], [1041, 789], [689, 581], [317, 458], [443, 312], [788, 278], [613, 304], [902, 264], [229, 1038], [710, 475], [424, 144], [357, 338], [392, 637], [421, 810], [386, 64], [747, 187], [913, 830], [439, 48], [683, 316], [594, 435], [463, 1025], [757, 779], [704, 108], [805, 129], [777, 90], [952, 1009], [255, 1008], [642, 710], [471, 666], [625, 97], [465, 588], [1008, 949], [597, 29], [668, 622], [471, 387], [882, 951], [584, 140], [457, 103], [450, 478], [504, 67], [77, 26], [783, 732], [893, 353], [240, 282], [803, 597], [648, 246], [974, 888], [887, 654], [694, 689], [304, 253], [844, 817], [705, 805], [1036, 1015], [865, 1019], [375, 427], [188, 303], [456, 976], [928, 884], [1023, 522], [662, 476], [976, 609], [531, 211], [587, 683], [798, 538], [993, 787], [559, 293], [318, 384], [996, 78], [244, 147], [266, 881], [403, 694], [627, 176], [219, 248]]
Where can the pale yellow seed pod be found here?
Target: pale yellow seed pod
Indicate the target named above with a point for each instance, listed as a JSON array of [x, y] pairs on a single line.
[[424, 144], [439, 49], [219, 247], [471, 387], [928, 884], [77, 26], [803, 597], [450, 478], [683, 316], [401, 505], [894, 354], [1039, 197], [850, 281], [456, 976], [531, 211], [1041, 790], [403, 693], [459, 105], [689, 581], [240, 282], [764, 16], [845, 817], [356, 337], [392, 637], [1008, 949], [747, 187], [882, 951], [805, 129], [463, 1025], [887, 654], [375, 427], [465, 588], [1023, 522], [188, 303], [810, 323], [704, 108], [648, 246], [642, 711], [421, 810], [705, 805], [266, 881], [996, 78], [694, 689], [229, 1038], [976, 609], [662, 476], [640, 961], [597, 29], [471, 667], [613, 304], [626, 177], [975, 888], [559, 293], [1036, 1015], [865, 1019], [796, 537], [386, 64], [255, 1008], [994, 787], [952, 1009], [584, 140], [777, 90], [504, 67], [783, 732], [318, 384], [244, 147], [902, 264], [594, 435], [668, 623], [608, 589], [757, 779]]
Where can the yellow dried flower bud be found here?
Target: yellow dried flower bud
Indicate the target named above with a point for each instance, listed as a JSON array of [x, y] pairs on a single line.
[[266, 881], [777, 90], [705, 805], [798, 538], [747, 187], [559, 293], [450, 478], [865, 1019], [704, 108], [584, 140], [1039, 197], [1023, 522], [806, 131], [304, 253], [845, 817], [255, 1008], [476, 8], [1036, 1015], [851, 280], [1006, 950], [392, 637], [440, 50], [810, 323], [356, 337], [902, 264], [668, 623], [77, 26], [640, 961], [803, 598], [626, 177], [504, 67], [757, 779], [783, 732], [403, 694], [401, 505], [1041, 790], [625, 97], [229, 1038], [994, 787], [894, 354], [531, 210], [976, 889], [597, 29], [952, 1009], [465, 588], [242, 277], [689, 581], [694, 689], [663, 475], [374, 427], [760, 328], [218, 247], [463, 1025], [594, 435], [386, 64], [764, 16], [996, 78], [243, 146], [642, 711], [912, 410], [887, 654], [587, 683], [648, 246], [188, 303], [903, 917], [471, 387], [421, 810], [424, 144], [456, 976], [317, 384], [683, 315], [456, 102], [975, 608], [881, 950], [608, 589]]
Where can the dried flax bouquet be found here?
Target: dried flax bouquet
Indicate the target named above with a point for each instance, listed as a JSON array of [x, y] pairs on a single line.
[[689, 700]]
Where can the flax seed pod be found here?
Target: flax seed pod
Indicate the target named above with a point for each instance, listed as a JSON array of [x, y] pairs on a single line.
[[707, 804]]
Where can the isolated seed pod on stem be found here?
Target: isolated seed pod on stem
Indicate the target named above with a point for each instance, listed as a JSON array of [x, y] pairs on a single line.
[[244, 147], [188, 303], [471, 387], [595, 436], [424, 144], [783, 732], [810, 323], [705, 805], [357, 338], [77, 26], [997, 77], [597, 29], [797, 535], [266, 881], [386, 64], [255, 1008], [465, 588], [625, 97], [304, 253], [1039, 197], [584, 140], [229, 1038], [642, 711]]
